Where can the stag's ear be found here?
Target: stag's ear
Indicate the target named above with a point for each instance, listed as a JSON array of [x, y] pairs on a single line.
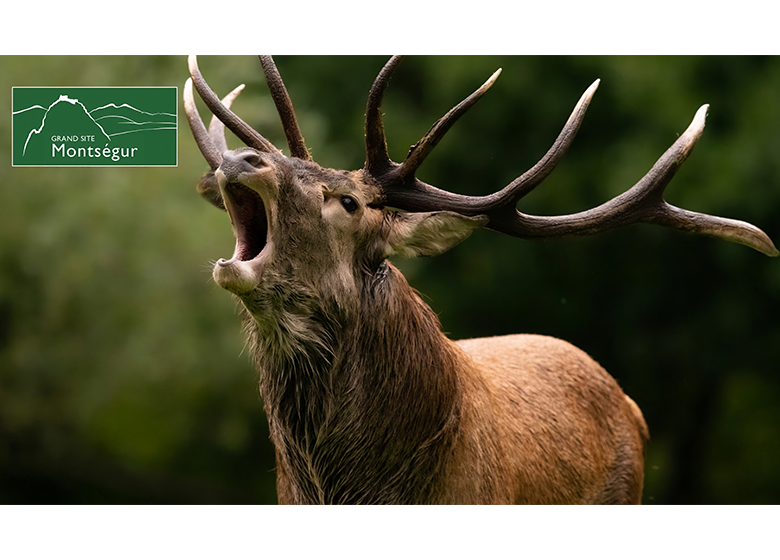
[[425, 234], [208, 188]]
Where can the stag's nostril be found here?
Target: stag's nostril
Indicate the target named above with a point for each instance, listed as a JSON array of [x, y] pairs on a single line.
[[253, 159]]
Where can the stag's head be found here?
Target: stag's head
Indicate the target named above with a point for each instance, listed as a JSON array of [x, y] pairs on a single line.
[[298, 222], [295, 221]]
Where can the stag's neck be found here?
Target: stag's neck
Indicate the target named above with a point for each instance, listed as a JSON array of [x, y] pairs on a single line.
[[375, 386]]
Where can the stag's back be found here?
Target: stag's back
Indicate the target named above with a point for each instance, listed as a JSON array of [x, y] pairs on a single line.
[[556, 416]]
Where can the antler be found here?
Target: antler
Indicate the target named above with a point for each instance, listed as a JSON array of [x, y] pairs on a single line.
[[401, 189], [642, 203], [285, 109], [246, 133], [378, 161], [211, 142]]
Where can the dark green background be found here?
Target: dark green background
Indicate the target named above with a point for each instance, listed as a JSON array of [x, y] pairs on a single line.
[[123, 377]]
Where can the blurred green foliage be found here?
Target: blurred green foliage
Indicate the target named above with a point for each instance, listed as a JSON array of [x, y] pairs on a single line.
[[122, 372]]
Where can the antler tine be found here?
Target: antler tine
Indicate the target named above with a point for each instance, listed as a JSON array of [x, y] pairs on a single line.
[[285, 109], [421, 149], [377, 159], [246, 133], [524, 184], [202, 137], [211, 143], [416, 195], [642, 202], [217, 127]]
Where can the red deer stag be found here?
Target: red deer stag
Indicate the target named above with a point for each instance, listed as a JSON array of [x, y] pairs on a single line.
[[367, 400]]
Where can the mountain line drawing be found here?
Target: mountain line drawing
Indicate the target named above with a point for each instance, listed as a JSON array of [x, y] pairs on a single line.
[[106, 121]]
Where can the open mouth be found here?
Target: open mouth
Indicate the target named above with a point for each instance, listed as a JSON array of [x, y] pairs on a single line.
[[250, 222]]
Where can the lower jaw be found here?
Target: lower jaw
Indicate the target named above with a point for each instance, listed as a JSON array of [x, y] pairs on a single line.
[[238, 277]]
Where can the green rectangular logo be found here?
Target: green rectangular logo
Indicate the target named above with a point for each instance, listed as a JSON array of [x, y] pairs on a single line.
[[94, 126]]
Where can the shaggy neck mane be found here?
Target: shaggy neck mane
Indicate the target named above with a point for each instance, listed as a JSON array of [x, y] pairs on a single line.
[[363, 404]]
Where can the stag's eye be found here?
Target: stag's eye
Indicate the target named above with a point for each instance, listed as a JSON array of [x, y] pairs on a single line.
[[349, 204]]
